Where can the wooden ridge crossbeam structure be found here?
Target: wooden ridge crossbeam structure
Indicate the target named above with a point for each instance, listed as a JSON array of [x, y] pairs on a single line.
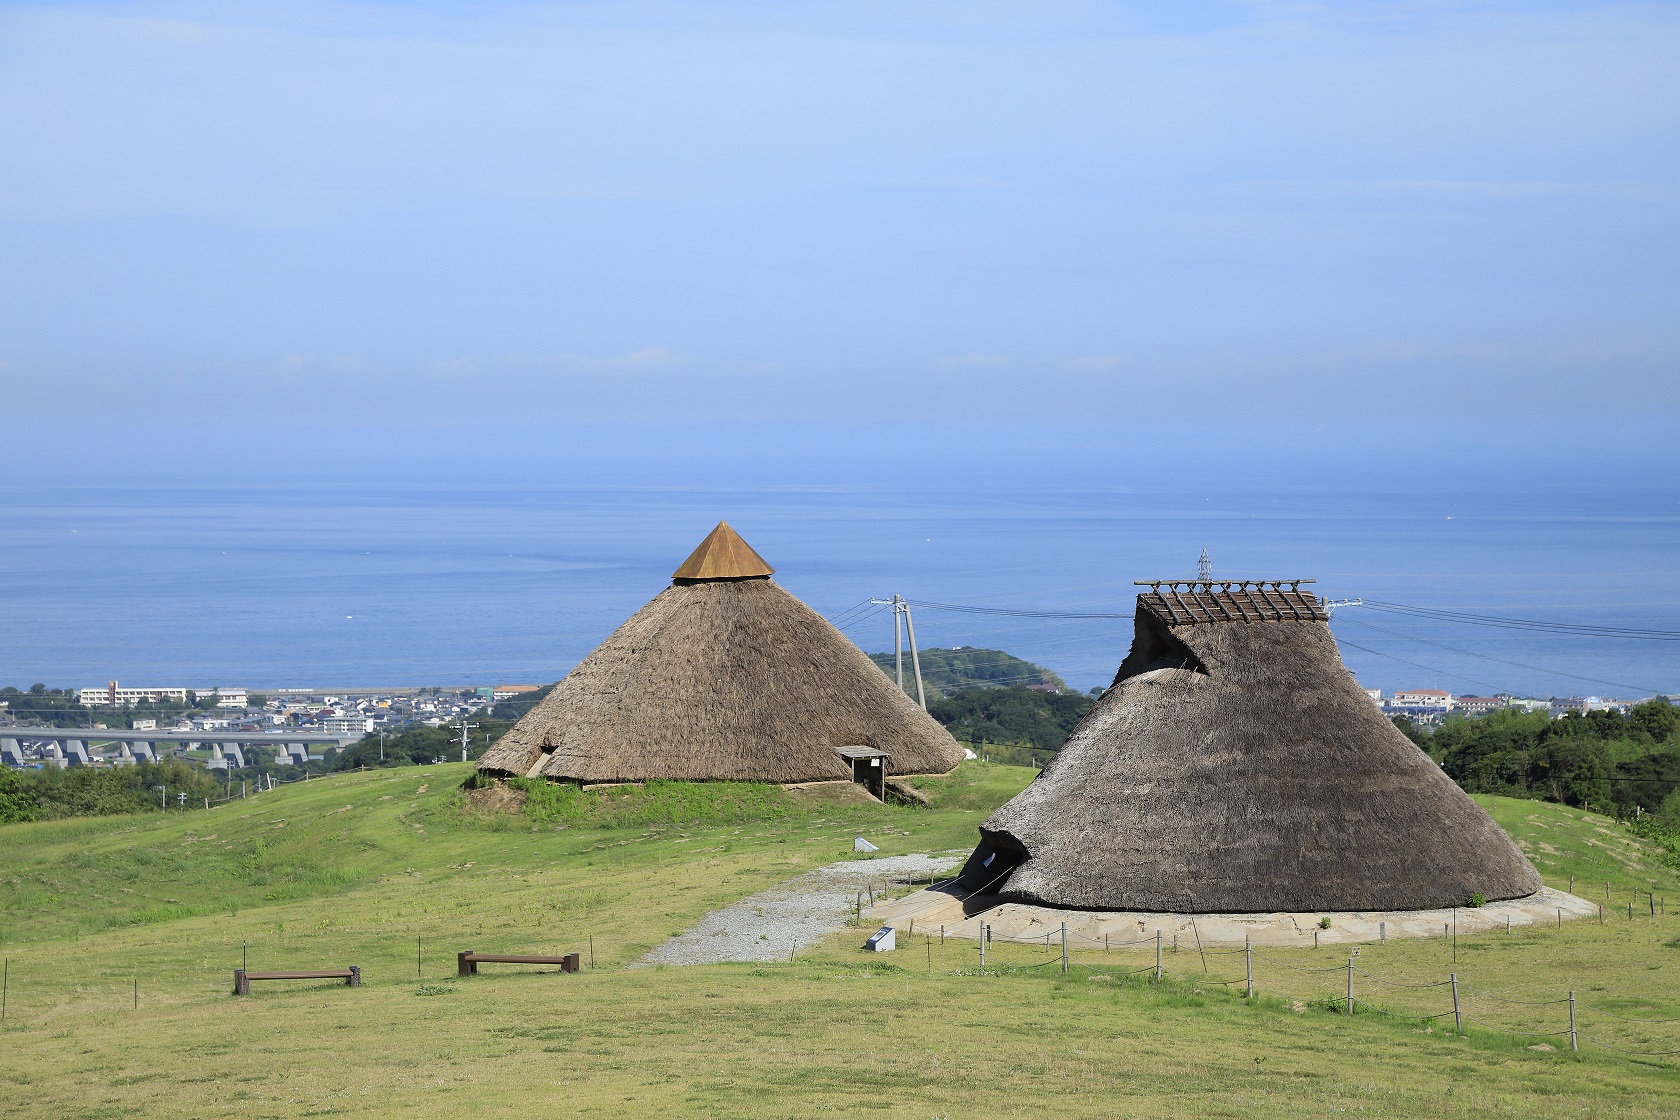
[[467, 963], [242, 978], [1189, 602]]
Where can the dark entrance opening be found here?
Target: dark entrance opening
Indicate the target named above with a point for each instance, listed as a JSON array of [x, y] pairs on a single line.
[[869, 769]]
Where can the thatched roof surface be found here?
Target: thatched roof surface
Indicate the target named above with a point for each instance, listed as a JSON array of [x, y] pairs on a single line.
[[722, 679], [723, 555], [1237, 767]]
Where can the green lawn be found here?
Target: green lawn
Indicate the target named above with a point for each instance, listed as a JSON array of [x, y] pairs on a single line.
[[355, 868]]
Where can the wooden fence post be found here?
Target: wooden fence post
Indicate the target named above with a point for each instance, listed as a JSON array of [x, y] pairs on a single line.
[[1064, 946], [1350, 987], [1157, 956], [1458, 1016], [1248, 964], [1574, 1042]]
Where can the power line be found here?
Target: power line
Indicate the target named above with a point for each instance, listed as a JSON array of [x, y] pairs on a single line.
[[1420, 665], [1500, 622], [1499, 660], [964, 609]]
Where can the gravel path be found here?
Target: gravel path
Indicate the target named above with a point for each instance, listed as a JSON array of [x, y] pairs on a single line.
[[769, 925]]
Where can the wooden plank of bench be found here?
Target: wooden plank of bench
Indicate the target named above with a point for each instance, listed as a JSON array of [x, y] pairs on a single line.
[[352, 976], [468, 962], [509, 958]]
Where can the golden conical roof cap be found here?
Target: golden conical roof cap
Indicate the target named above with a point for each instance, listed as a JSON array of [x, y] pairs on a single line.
[[723, 555]]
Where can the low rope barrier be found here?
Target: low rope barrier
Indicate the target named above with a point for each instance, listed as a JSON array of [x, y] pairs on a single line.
[[1295, 968], [1624, 1018], [1524, 1034], [1398, 984], [1630, 1053], [1502, 999]]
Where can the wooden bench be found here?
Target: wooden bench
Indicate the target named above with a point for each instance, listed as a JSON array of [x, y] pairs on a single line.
[[351, 976], [467, 963]]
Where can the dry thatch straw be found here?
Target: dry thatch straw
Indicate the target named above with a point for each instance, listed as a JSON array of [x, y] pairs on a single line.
[[723, 676], [1236, 767]]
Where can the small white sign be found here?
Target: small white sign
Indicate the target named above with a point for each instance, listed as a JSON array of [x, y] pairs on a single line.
[[885, 940], [862, 845]]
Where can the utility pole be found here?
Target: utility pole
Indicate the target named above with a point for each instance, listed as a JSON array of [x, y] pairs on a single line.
[[463, 727], [382, 735], [901, 607], [163, 796], [898, 643]]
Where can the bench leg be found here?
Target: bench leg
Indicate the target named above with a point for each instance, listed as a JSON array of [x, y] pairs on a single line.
[[241, 986], [355, 978], [464, 963]]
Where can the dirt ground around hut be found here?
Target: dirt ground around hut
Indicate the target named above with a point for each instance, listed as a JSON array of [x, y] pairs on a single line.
[[960, 916], [772, 925]]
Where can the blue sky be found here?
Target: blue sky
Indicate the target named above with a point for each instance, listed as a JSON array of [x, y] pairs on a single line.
[[809, 213]]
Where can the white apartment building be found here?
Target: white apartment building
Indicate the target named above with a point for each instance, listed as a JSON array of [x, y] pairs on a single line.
[[347, 725], [1478, 705], [1421, 698], [112, 695]]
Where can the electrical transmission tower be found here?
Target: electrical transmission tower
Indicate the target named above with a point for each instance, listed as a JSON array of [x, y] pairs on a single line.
[[1204, 567], [901, 607]]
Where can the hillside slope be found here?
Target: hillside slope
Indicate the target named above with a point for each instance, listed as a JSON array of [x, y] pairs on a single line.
[[396, 871]]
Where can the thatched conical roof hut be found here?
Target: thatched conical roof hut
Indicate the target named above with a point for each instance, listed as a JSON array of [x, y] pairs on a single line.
[[723, 676], [1235, 766]]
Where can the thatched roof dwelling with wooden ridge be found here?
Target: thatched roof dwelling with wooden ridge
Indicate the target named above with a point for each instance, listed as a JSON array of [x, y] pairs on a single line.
[[1235, 766], [724, 676]]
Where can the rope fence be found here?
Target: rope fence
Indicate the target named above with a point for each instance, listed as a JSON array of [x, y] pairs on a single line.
[[1346, 1003], [1463, 996]]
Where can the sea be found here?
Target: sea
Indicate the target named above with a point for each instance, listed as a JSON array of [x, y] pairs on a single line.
[[325, 586]]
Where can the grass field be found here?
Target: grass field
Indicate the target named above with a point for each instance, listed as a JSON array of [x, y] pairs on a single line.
[[354, 869]]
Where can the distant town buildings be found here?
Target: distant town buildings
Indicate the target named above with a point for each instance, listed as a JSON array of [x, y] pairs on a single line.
[[1431, 705]]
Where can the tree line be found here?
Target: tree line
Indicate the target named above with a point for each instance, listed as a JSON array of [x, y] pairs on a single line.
[[1628, 765]]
